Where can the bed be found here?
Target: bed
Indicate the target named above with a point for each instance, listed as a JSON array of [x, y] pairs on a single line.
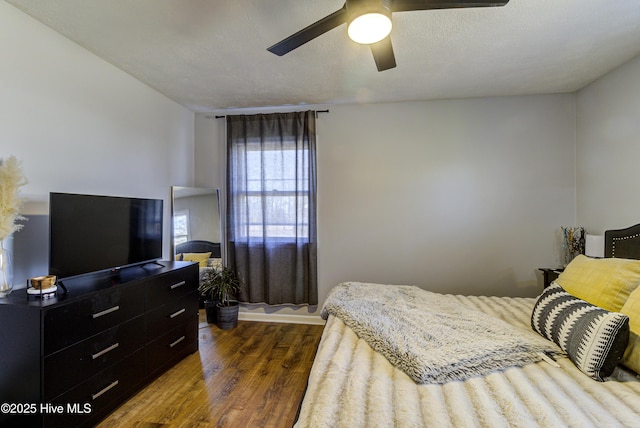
[[199, 247], [353, 385], [207, 254]]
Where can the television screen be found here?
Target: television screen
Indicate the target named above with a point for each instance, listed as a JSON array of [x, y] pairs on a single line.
[[89, 233]]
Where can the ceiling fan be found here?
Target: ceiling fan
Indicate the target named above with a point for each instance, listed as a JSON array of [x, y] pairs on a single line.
[[369, 22]]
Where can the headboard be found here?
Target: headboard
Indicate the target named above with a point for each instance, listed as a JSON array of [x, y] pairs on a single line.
[[200, 247], [623, 243]]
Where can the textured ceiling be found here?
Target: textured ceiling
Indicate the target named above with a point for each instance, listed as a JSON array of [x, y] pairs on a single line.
[[211, 54]]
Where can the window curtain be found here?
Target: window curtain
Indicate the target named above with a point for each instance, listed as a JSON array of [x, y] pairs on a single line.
[[271, 206]]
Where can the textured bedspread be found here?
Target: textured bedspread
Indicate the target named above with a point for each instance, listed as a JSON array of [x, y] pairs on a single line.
[[351, 385], [430, 337]]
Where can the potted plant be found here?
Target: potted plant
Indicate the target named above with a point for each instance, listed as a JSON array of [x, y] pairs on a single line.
[[219, 287], [208, 292]]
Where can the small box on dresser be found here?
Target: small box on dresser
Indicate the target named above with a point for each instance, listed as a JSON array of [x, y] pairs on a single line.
[[72, 359]]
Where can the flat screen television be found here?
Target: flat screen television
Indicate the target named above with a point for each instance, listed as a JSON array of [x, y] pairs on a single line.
[[89, 233]]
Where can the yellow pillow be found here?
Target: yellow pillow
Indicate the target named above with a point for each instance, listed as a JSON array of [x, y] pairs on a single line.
[[201, 258], [606, 283], [631, 309]]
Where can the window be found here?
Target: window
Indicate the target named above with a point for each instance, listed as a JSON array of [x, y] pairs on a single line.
[[277, 201], [180, 227]]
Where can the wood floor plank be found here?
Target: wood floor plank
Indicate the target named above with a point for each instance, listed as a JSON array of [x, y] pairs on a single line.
[[253, 375]]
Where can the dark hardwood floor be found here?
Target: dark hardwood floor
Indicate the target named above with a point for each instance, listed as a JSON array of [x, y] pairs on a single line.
[[250, 376]]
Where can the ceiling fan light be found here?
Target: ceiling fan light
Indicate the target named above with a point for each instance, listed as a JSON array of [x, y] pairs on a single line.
[[369, 28]]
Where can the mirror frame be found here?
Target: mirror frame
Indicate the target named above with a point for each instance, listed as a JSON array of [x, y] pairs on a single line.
[[197, 190]]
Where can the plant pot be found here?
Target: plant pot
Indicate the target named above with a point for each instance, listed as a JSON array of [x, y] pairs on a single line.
[[227, 317], [211, 310]]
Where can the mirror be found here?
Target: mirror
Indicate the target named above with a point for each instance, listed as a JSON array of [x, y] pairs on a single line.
[[196, 232]]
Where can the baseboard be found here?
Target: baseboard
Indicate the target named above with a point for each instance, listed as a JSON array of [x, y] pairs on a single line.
[[284, 318]]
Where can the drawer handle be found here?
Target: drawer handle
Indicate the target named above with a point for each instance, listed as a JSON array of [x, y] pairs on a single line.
[[105, 312], [105, 389], [104, 351], [172, 344], [180, 312], [177, 284]]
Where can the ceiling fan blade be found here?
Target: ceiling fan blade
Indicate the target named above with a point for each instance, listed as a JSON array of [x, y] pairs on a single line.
[[407, 5], [383, 54], [309, 33]]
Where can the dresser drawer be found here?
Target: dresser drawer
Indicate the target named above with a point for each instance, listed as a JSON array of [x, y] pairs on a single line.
[[172, 347], [171, 315], [69, 367], [102, 393], [70, 323], [171, 286]]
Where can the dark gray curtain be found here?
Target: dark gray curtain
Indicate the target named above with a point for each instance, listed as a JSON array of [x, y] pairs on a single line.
[[271, 206]]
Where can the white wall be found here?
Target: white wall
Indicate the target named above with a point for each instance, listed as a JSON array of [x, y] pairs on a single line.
[[608, 149], [204, 221], [209, 151], [81, 125], [459, 196]]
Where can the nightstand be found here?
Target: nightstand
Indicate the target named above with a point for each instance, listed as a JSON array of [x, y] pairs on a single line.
[[550, 275]]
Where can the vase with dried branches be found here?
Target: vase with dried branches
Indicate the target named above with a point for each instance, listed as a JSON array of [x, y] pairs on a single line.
[[11, 179], [573, 240]]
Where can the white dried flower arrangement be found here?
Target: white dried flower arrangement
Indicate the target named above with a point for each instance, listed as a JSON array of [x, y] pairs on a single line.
[[11, 179]]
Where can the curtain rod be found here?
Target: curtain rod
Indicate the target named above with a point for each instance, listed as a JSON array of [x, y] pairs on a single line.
[[317, 111]]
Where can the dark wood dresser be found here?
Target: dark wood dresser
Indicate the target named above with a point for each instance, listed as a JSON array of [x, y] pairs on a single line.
[[72, 359]]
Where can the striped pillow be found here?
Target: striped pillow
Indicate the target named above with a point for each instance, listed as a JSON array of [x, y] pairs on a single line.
[[593, 338]]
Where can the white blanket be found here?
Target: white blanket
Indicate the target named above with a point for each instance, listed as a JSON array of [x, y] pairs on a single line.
[[430, 337], [353, 386]]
